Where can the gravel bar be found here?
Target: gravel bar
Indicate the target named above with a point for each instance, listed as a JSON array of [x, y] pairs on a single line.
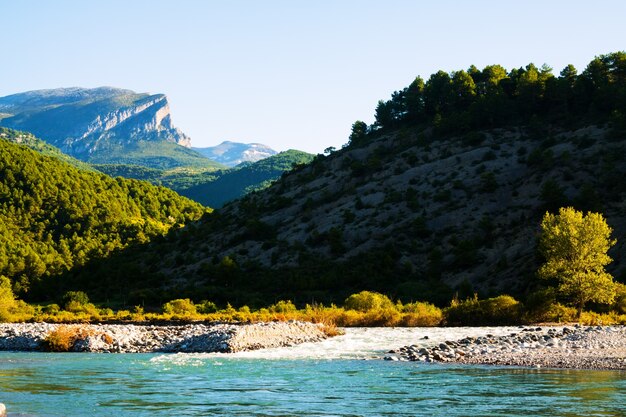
[[130, 338], [574, 347]]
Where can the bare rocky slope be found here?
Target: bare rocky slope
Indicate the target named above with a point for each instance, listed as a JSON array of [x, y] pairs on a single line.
[[407, 213], [103, 125]]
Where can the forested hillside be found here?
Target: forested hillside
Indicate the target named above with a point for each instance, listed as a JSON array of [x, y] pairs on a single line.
[[29, 140], [443, 194], [213, 188], [55, 216], [237, 182]]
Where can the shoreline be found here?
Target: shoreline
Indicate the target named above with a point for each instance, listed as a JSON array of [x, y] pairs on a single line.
[[184, 338], [561, 347]]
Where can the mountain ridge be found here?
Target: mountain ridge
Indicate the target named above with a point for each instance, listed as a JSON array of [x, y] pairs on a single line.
[[101, 124], [232, 153]]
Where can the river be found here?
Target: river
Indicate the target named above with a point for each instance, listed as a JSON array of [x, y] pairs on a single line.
[[338, 377]]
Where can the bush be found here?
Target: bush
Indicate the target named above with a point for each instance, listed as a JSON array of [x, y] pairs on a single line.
[[421, 314], [182, 306], [283, 306], [73, 300], [63, 338], [501, 310], [206, 307], [51, 309], [619, 305], [12, 309], [367, 301]]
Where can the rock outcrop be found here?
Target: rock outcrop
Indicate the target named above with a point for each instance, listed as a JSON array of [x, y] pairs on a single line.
[[86, 122]]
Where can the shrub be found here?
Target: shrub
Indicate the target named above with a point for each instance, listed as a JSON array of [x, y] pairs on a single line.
[[63, 338], [283, 306], [51, 309], [73, 300], [421, 314], [367, 301], [501, 310], [183, 306], [620, 299], [12, 309], [206, 307]]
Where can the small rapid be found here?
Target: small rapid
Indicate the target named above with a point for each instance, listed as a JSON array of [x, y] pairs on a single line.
[[356, 343]]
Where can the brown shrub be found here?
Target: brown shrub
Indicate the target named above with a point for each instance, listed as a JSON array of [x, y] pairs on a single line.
[[62, 338]]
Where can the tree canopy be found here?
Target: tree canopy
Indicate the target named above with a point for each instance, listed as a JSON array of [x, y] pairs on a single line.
[[461, 101], [54, 216], [575, 247]]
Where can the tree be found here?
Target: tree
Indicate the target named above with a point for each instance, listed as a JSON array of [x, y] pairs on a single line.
[[575, 248], [7, 299], [358, 133], [384, 114], [463, 90], [437, 93], [415, 100]]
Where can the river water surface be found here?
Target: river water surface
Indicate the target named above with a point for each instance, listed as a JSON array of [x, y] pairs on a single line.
[[338, 377]]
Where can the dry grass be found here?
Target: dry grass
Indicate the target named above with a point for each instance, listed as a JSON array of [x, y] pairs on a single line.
[[63, 338]]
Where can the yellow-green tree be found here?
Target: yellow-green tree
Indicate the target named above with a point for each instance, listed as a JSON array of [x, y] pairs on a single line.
[[575, 247]]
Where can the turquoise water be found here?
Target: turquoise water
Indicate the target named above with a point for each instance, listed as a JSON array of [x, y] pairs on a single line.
[[275, 384]]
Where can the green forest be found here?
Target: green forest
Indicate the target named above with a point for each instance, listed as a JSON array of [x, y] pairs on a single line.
[[55, 217], [213, 187], [464, 101]]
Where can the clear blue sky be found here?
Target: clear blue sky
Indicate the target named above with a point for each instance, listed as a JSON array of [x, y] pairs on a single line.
[[290, 74]]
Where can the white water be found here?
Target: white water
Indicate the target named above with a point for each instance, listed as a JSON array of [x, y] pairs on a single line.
[[356, 343]]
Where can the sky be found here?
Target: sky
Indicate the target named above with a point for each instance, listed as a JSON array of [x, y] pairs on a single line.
[[288, 74]]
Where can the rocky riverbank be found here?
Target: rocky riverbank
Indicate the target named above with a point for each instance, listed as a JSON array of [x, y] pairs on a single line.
[[129, 338], [575, 347]]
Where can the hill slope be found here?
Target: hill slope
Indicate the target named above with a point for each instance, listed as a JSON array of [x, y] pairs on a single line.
[[29, 140], [214, 188], [440, 195], [103, 125], [232, 184], [55, 217]]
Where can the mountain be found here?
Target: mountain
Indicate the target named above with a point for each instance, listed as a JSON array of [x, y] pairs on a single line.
[[103, 125], [214, 188], [234, 153], [443, 194], [234, 183], [55, 216]]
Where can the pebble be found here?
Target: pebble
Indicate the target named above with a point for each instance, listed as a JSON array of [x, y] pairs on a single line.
[[580, 347], [130, 338]]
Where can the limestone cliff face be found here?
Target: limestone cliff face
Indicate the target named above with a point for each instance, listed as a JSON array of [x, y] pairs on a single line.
[[82, 122]]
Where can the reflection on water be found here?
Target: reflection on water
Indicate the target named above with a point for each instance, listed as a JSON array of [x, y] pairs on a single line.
[[99, 385]]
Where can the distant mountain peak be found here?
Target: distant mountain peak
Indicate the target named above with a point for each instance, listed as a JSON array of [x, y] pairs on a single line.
[[93, 123], [232, 153]]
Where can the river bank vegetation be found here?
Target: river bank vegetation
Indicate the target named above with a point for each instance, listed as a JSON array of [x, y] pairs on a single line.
[[364, 309]]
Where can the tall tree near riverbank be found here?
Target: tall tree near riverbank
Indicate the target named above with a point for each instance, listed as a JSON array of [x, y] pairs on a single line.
[[575, 247]]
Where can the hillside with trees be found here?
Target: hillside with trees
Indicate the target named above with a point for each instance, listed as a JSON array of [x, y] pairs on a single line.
[[231, 184], [214, 188], [55, 216], [444, 194]]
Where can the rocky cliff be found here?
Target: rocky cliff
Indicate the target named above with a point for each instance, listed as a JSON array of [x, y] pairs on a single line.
[[96, 124]]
